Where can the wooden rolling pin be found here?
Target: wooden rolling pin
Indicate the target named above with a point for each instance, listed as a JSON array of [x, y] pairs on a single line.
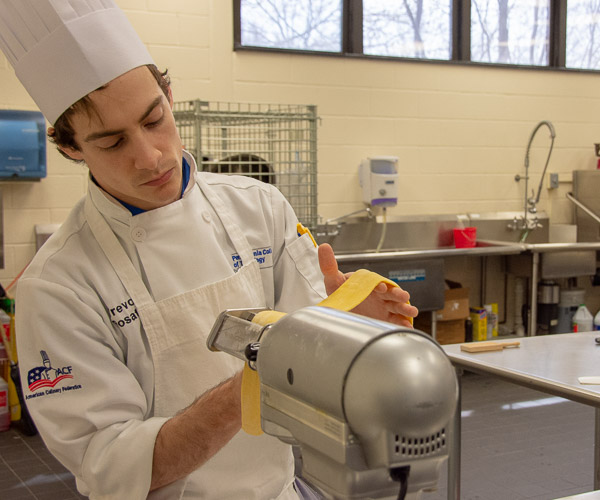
[[488, 346]]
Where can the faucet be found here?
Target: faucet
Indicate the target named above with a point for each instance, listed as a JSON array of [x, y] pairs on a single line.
[[524, 225], [530, 203], [342, 217], [338, 221]]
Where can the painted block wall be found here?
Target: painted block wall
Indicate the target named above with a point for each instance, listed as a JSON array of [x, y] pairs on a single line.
[[460, 132]]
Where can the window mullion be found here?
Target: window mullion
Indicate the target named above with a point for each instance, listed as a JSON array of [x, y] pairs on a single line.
[[237, 23], [557, 49], [461, 30], [352, 27]]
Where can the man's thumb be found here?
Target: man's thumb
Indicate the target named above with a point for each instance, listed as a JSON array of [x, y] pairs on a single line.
[[327, 261]]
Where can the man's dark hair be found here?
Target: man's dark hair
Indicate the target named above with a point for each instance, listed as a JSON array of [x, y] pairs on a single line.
[[63, 133]]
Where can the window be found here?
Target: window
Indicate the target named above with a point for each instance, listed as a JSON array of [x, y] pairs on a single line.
[[298, 24], [532, 33], [407, 29], [583, 34], [510, 31]]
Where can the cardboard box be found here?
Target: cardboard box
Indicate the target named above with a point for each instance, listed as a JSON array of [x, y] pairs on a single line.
[[447, 332], [456, 305], [450, 332], [450, 320]]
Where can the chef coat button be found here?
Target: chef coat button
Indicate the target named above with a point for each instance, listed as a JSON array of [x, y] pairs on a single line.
[[138, 234], [206, 216]]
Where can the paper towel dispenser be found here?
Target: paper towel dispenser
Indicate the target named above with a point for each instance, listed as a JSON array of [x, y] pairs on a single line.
[[22, 145]]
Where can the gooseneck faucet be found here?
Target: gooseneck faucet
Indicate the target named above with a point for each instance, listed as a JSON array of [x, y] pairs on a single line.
[[530, 203]]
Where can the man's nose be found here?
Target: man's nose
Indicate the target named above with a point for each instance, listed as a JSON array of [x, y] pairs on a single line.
[[147, 154]]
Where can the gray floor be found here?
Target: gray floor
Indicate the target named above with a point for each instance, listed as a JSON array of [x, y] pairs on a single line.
[[28, 471], [517, 444]]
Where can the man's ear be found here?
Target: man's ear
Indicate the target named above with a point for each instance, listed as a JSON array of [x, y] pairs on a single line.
[[72, 153], [69, 151]]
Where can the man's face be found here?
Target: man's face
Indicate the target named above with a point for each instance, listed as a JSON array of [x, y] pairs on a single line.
[[131, 145]]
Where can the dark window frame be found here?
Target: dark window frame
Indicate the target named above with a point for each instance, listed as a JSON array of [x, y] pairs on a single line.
[[352, 39]]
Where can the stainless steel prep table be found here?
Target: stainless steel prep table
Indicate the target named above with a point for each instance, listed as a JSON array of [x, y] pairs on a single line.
[[551, 364]]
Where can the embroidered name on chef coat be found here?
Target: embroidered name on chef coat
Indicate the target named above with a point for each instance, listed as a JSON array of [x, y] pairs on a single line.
[[124, 313], [264, 257]]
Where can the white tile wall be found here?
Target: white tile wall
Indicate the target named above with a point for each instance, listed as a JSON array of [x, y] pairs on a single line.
[[460, 132]]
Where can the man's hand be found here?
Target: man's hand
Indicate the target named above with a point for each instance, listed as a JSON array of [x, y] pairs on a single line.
[[386, 303]]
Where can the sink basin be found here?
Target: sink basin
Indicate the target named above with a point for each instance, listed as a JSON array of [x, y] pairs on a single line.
[[431, 236], [424, 233]]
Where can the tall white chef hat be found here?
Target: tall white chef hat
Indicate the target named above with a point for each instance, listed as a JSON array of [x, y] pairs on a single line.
[[64, 49]]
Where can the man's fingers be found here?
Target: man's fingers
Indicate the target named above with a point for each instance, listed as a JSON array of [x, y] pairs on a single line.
[[393, 293], [332, 277], [405, 309], [327, 261]]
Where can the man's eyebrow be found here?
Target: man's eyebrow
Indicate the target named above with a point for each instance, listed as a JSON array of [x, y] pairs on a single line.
[[108, 133]]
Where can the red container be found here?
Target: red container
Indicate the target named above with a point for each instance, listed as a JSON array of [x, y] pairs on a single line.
[[465, 237], [4, 407]]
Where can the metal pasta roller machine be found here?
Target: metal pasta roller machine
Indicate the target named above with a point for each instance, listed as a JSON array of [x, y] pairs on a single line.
[[368, 403]]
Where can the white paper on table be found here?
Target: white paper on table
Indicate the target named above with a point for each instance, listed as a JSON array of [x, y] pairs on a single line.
[[590, 380]]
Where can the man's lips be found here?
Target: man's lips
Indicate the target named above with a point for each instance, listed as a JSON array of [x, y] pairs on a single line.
[[159, 181]]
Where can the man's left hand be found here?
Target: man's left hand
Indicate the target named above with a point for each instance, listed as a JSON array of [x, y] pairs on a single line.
[[387, 303]]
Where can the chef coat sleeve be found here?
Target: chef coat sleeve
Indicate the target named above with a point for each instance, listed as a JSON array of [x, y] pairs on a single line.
[[297, 276], [95, 421]]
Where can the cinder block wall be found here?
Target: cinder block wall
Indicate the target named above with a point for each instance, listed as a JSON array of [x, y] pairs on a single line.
[[460, 132]]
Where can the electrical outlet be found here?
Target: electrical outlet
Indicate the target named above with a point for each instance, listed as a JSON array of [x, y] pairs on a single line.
[[553, 181]]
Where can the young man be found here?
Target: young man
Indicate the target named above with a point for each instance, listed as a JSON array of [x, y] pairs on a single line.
[[121, 299]]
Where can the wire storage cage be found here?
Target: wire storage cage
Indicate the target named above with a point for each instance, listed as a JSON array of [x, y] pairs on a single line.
[[273, 143]]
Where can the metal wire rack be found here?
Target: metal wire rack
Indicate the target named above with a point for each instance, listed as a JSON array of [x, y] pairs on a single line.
[[271, 142]]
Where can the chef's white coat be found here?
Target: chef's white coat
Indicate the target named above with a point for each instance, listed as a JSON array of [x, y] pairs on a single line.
[[98, 419]]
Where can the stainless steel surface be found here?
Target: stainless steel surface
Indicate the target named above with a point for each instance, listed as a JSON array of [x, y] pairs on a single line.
[[568, 263], [275, 143], [233, 330], [481, 249], [587, 210], [484, 247], [360, 397], [412, 238], [586, 186], [430, 237], [551, 364], [426, 233], [423, 404], [454, 441], [549, 261], [351, 214]]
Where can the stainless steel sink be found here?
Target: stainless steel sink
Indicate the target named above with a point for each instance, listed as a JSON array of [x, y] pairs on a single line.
[[414, 249], [426, 233]]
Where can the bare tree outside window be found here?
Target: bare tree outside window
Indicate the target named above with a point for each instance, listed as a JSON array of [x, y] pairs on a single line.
[[505, 32], [510, 31], [417, 29], [583, 34], [299, 24]]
